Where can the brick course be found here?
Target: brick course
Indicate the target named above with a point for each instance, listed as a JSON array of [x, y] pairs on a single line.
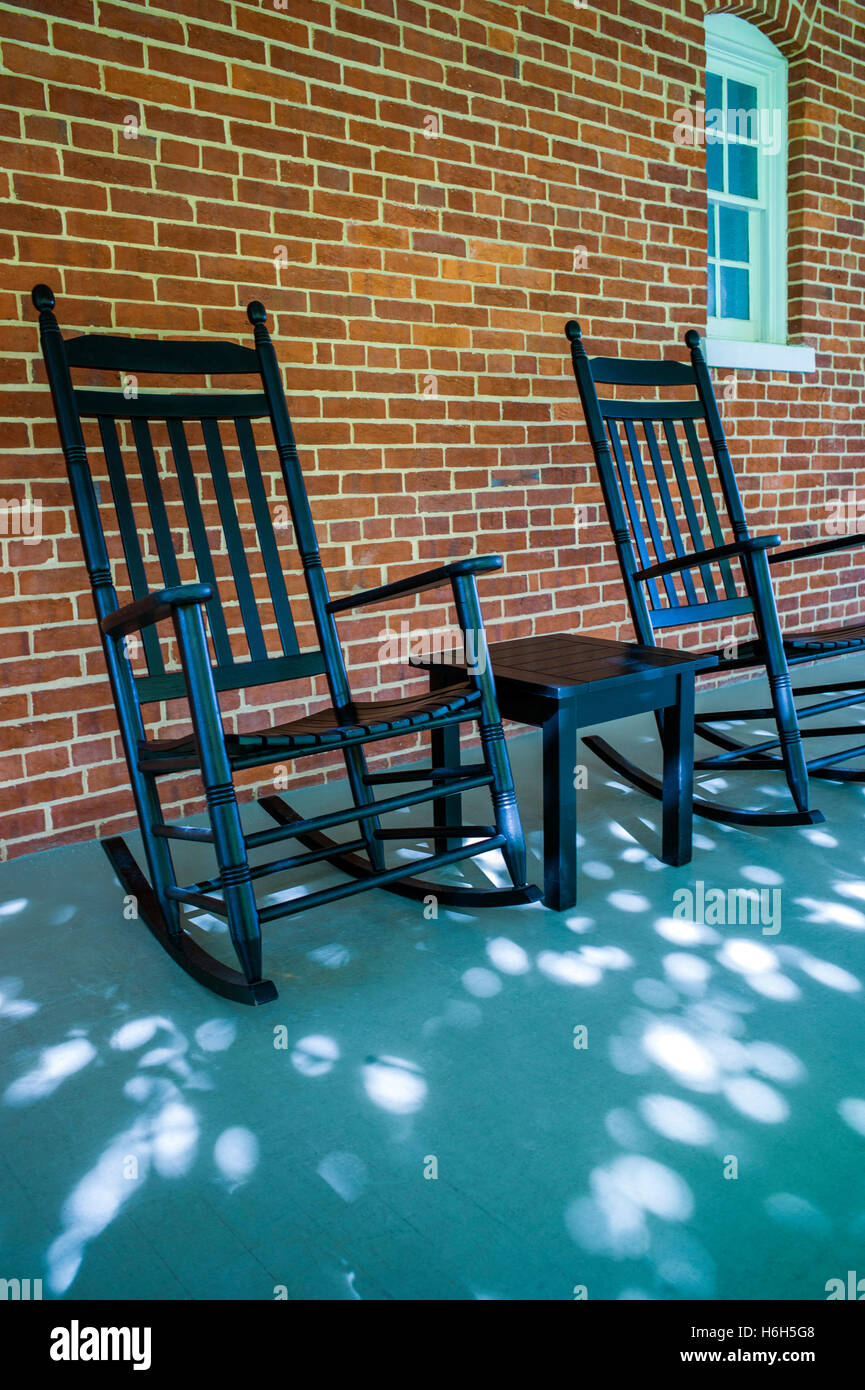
[[444, 185]]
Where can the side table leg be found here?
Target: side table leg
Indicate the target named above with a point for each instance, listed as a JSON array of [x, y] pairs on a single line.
[[445, 749], [560, 808], [678, 799]]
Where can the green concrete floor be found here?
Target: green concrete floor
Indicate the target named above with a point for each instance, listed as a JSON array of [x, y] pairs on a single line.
[[158, 1142]]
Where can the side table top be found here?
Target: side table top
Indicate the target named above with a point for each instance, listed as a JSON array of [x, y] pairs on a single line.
[[558, 661]]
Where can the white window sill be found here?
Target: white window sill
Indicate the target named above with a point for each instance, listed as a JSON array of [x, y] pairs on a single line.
[[765, 357]]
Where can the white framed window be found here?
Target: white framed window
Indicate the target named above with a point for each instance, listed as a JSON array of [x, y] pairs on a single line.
[[746, 177]]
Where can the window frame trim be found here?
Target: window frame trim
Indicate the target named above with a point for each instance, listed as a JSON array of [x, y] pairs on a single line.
[[744, 49], [763, 357]]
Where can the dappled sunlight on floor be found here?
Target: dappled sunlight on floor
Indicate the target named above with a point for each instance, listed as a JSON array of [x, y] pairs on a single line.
[[657, 1094]]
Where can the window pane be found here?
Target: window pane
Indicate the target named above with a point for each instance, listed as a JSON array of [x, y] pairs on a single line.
[[712, 251], [714, 125], [733, 234], [712, 310], [742, 170], [741, 97], [714, 98], [715, 166], [735, 297]]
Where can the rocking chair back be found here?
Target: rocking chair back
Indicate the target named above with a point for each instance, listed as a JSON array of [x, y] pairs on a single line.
[[171, 464], [661, 497]]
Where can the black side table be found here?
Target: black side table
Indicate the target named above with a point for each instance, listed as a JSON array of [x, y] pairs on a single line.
[[561, 683]]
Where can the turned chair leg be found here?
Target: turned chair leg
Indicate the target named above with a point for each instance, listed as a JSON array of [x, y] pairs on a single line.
[[507, 816], [158, 851], [356, 767], [243, 919], [447, 810], [780, 685], [792, 752]]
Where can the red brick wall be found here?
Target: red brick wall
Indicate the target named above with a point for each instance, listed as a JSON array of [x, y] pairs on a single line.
[[432, 172]]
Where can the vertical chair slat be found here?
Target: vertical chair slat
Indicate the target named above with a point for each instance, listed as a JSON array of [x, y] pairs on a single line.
[[156, 502], [689, 508], [668, 505], [711, 510], [200, 543], [129, 535], [649, 510], [234, 541], [632, 509], [266, 537]]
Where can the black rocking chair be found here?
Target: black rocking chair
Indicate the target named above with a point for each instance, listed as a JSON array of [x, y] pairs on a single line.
[[172, 471], [677, 562]]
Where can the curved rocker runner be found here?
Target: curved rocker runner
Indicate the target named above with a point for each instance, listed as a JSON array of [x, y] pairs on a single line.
[[187, 464]]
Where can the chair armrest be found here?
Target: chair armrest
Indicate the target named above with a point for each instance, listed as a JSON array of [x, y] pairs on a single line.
[[708, 557], [819, 547], [153, 608], [428, 579]]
